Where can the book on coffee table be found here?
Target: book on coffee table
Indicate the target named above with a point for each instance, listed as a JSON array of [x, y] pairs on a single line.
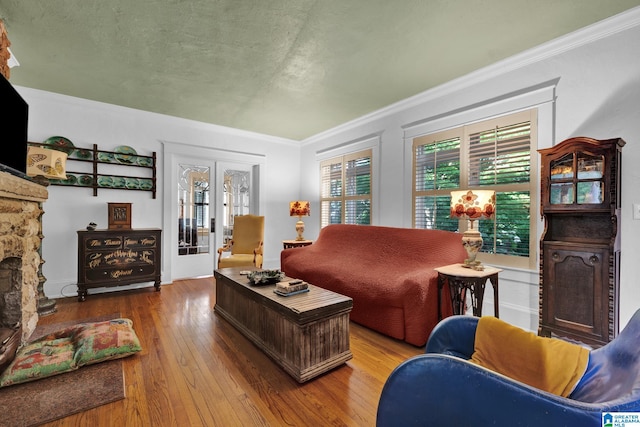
[[291, 287], [288, 294]]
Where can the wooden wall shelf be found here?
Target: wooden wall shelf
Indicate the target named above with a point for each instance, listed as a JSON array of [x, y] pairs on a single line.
[[106, 169]]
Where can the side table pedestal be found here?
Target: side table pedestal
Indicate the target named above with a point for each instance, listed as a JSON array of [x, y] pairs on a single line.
[[466, 281]]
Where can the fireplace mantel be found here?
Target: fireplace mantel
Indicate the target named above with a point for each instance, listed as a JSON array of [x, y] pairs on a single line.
[[20, 239]]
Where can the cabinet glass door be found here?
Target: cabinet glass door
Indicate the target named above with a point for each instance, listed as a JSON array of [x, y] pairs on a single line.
[[561, 194], [562, 168], [590, 192], [561, 191], [590, 186], [581, 183], [590, 167]]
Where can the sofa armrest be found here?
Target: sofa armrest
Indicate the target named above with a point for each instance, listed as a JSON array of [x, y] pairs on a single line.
[[455, 336]]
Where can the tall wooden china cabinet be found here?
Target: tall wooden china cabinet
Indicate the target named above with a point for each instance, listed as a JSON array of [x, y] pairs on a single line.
[[580, 244]]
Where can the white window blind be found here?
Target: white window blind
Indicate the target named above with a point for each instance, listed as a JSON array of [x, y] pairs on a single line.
[[345, 193], [493, 154], [436, 173]]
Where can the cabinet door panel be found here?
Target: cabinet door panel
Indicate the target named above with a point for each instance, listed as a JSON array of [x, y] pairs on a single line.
[[573, 281]]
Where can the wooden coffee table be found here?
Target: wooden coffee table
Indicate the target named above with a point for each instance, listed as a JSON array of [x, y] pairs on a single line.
[[306, 334]]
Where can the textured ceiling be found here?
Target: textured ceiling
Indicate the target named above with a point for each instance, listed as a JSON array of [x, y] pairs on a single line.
[[289, 68]]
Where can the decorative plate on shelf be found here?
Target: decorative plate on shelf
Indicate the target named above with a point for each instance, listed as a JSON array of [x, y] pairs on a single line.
[[125, 154], [119, 182], [105, 181], [71, 180], [144, 161], [265, 277], [85, 180], [60, 143], [132, 183], [105, 157], [83, 154], [146, 184]]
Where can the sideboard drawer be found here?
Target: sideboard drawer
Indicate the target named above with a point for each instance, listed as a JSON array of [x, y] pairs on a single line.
[[140, 273]]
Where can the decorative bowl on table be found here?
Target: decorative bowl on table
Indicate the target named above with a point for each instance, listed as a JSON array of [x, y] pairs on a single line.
[[265, 277]]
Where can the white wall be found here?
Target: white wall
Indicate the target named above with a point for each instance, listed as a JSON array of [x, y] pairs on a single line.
[[85, 122], [595, 74]]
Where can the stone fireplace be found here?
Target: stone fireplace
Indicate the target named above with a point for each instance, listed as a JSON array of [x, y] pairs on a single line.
[[20, 237]]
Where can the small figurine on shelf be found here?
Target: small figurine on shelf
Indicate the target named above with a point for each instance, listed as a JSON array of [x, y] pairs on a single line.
[[92, 226]]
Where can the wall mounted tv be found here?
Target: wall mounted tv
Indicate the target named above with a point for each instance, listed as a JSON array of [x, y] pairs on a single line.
[[13, 128]]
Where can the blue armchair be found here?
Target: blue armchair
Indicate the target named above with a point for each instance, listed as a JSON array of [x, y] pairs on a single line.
[[442, 387]]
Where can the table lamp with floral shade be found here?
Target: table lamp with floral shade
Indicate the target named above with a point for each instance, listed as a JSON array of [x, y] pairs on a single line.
[[473, 205], [299, 208]]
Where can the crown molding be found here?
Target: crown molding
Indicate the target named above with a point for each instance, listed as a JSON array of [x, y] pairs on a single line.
[[31, 93], [586, 35]]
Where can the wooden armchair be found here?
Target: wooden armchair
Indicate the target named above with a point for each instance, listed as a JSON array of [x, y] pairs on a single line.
[[246, 243]]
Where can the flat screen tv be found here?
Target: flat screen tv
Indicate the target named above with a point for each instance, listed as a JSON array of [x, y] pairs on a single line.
[[14, 116]]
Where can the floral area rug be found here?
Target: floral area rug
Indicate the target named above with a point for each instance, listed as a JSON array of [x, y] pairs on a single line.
[[52, 398]]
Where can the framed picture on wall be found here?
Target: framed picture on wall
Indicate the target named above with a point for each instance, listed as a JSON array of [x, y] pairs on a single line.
[[119, 216]]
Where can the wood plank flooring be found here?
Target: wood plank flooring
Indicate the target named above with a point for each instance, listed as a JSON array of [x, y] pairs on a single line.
[[197, 370]]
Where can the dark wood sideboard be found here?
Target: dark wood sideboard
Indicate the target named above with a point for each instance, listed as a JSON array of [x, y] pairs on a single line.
[[109, 258]]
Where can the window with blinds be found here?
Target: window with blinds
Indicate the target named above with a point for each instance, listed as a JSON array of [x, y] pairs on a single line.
[[345, 193], [494, 154]]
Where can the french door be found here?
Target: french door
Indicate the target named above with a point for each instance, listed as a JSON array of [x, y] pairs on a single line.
[[203, 191]]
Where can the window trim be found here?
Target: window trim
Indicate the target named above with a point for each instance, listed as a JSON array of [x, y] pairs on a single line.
[[464, 132], [370, 142], [542, 98], [342, 160]]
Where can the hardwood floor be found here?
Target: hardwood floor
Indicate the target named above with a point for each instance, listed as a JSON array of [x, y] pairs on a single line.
[[197, 370]]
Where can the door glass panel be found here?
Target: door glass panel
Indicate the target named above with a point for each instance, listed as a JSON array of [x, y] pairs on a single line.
[[562, 168], [236, 193], [193, 209]]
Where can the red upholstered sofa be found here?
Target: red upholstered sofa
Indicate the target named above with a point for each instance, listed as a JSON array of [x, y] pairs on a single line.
[[387, 271]]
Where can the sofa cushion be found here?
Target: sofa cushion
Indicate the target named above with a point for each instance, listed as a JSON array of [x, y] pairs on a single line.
[[111, 339], [40, 359], [548, 364], [71, 348]]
